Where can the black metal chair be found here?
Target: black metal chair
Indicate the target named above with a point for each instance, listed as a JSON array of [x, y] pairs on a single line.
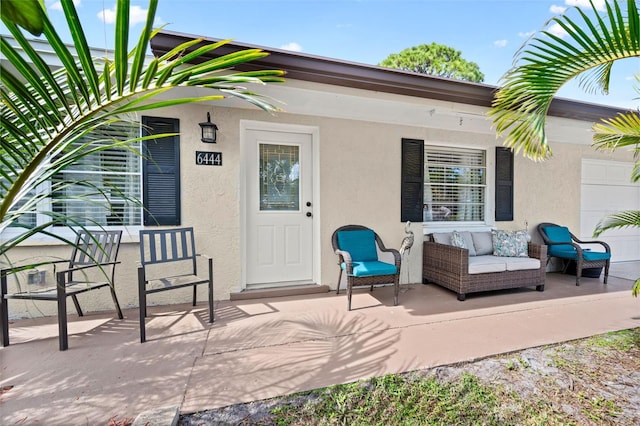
[[167, 262], [94, 256], [359, 249], [564, 245]]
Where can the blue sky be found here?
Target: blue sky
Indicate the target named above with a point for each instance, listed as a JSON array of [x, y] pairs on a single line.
[[488, 32]]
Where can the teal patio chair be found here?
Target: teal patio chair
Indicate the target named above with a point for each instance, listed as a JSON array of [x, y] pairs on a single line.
[[561, 243], [365, 260]]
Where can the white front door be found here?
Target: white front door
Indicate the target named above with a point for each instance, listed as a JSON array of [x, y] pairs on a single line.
[[279, 208]]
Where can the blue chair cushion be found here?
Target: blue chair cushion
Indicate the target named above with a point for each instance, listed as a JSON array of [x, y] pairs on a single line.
[[360, 243], [559, 234], [562, 250], [587, 255], [595, 255], [372, 268]]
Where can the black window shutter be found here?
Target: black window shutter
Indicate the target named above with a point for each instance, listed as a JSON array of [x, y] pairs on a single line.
[[504, 183], [161, 172], [412, 186]]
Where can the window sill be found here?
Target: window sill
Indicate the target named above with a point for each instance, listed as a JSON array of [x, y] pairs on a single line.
[[130, 234], [430, 227]]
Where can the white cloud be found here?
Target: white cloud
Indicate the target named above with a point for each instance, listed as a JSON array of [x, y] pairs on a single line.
[[557, 30], [136, 15], [107, 15], [293, 46], [556, 9], [500, 43], [599, 4], [527, 34], [57, 6]]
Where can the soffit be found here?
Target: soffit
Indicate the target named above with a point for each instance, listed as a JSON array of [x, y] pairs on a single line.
[[329, 71]]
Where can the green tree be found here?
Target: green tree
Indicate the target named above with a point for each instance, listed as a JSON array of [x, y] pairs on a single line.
[[545, 63], [46, 116], [435, 59]]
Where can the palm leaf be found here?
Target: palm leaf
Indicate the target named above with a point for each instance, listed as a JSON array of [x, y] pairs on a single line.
[[620, 131], [629, 218], [28, 14], [547, 62], [46, 117]]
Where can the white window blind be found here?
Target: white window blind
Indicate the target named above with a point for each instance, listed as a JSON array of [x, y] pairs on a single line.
[[454, 184], [102, 188]]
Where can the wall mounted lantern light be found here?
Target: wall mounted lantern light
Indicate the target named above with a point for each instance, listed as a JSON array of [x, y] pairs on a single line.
[[208, 130]]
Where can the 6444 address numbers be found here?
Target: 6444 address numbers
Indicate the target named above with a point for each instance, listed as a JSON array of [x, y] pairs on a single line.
[[205, 158]]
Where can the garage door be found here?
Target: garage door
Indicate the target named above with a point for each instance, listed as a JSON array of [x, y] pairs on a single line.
[[606, 189]]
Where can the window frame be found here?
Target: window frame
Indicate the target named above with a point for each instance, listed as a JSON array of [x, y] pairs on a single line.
[[63, 230], [456, 149], [446, 226]]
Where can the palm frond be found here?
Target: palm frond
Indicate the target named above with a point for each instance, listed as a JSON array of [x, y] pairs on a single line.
[[46, 114], [618, 132], [547, 62], [26, 13], [624, 219]]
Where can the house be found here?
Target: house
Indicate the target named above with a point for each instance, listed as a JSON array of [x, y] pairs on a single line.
[[350, 146]]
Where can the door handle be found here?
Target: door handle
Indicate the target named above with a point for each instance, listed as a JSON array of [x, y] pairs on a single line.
[[309, 214]]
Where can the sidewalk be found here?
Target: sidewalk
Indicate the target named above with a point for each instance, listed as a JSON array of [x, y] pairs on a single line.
[[270, 347]]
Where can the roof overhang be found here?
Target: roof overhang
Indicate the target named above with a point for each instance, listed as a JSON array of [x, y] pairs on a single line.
[[329, 71]]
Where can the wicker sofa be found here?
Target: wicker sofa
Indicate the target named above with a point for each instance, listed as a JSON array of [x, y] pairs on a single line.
[[449, 267]]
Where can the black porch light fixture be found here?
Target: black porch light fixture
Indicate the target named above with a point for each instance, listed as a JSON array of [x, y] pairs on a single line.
[[208, 130]]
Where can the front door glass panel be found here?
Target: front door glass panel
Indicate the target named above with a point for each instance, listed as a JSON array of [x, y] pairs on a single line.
[[279, 177]]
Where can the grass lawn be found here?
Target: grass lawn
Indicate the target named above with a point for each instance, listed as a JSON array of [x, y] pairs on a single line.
[[593, 381]]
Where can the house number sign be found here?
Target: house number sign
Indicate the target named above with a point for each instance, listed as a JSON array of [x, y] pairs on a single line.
[[205, 158]]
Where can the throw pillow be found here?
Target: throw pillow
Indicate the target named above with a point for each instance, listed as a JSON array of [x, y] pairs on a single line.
[[468, 242], [463, 240], [457, 240], [483, 243], [510, 244], [442, 237]]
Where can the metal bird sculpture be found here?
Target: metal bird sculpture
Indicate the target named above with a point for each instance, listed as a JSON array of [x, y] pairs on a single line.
[[405, 247], [407, 242]]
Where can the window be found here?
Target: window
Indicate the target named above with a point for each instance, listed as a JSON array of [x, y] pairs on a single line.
[[442, 183], [101, 188], [116, 186], [454, 184]]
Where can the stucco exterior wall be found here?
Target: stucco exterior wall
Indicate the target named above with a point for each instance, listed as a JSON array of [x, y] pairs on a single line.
[[359, 172]]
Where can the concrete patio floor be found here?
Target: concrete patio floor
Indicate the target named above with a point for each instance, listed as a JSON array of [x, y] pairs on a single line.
[[264, 348]]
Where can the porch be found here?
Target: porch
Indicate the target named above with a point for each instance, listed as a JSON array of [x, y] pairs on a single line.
[[264, 348]]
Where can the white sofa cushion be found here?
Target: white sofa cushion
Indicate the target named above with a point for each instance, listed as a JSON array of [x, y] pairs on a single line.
[[522, 263], [486, 264], [489, 263]]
